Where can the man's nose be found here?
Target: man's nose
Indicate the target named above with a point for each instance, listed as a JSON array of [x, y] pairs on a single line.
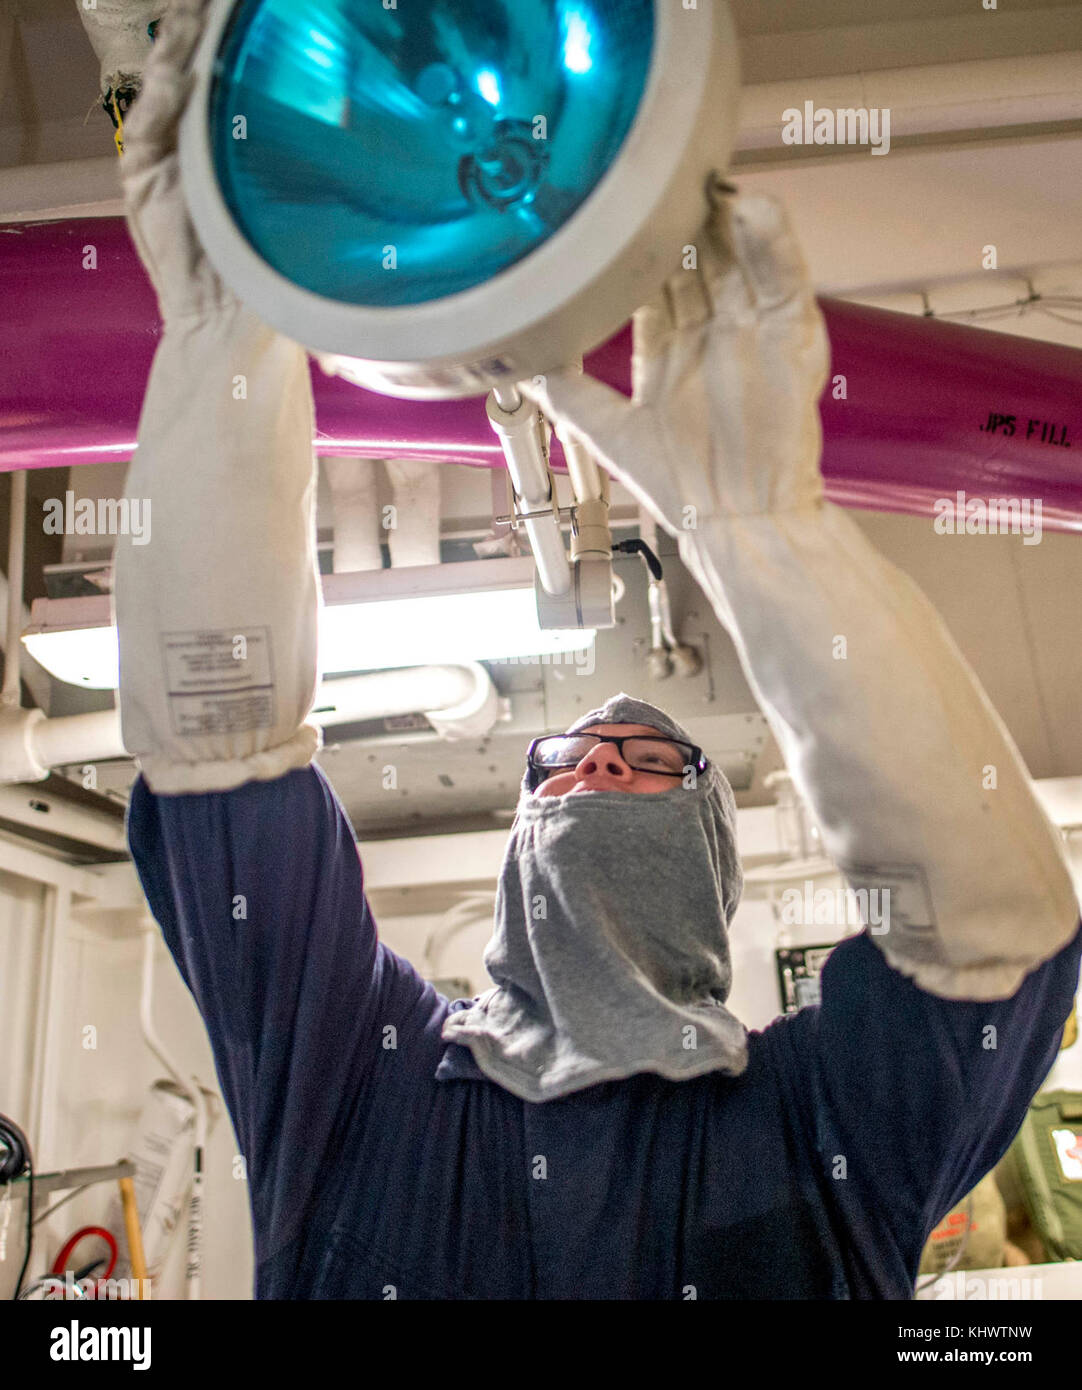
[[605, 758]]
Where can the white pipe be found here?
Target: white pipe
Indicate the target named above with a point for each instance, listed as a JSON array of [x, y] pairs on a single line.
[[519, 427], [192, 1091], [47, 1091], [411, 527], [41, 1130], [10, 692], [648, 534], [78, 738], [666, 614], [194, 1269], [590, 535], [464, 913], [666, 652], [352, 482], [150, 1036], [475, 714], [459, 701], [414, 537], [37, 679], [446, 695], [587, 479], [589, 483]]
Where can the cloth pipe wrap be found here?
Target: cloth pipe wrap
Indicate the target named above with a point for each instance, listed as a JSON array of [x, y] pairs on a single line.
[[610, 952]]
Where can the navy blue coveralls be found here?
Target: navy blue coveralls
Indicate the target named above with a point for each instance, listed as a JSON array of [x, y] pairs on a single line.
[[382, 1163]]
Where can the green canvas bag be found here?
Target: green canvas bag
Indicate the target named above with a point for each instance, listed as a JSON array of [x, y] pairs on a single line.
[[1048, 1154]]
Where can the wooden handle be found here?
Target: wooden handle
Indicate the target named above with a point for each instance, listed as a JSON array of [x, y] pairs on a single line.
[[134, 1233]]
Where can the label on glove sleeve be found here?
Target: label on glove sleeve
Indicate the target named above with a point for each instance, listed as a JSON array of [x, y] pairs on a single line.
[[905, 905], [219, 682]]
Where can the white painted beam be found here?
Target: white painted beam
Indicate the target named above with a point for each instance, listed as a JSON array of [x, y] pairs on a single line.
[[933, 99], [61, 189], [921, 215], [41, 868]]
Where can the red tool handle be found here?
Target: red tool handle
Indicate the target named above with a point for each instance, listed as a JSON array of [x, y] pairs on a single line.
[[61, 1261]]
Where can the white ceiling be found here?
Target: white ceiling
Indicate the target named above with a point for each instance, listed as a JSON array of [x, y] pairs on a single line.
[[816, 37], [879, 228]]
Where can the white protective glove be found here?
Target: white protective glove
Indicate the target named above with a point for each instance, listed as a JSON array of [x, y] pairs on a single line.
[[218, 613], [882, 723]]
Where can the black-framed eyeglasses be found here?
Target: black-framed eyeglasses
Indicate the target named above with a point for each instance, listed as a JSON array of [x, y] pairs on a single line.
[[667, 757]]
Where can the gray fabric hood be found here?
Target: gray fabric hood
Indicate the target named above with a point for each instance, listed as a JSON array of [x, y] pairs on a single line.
[[610, 953]]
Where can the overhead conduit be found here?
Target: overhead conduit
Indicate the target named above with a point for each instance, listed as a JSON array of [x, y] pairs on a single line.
[[460, 702], [412, 531], [905, 414]]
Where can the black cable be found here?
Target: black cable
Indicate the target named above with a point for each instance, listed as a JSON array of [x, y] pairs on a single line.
[[639, 547], [118, 102], [16, 1160], [13, 1164]]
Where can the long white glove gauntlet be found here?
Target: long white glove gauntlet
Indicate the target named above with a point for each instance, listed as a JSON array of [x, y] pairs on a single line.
[[915, 783], [218, 613]]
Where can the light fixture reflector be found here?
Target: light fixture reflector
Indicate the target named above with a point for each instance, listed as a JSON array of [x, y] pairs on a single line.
[[424, 629], [390, 155]]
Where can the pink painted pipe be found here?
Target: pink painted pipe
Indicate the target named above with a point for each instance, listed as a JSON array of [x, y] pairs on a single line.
[[930, 408]]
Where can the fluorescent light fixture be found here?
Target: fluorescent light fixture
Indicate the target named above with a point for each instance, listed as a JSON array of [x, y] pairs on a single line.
[[477, 610], [438, 630], [86, 656]]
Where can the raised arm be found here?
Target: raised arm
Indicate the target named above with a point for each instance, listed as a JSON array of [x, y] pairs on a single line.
[[218, 613], [912, 777], [247, 859]]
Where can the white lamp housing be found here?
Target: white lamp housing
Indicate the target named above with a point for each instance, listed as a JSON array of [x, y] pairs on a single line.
[[563, 298]]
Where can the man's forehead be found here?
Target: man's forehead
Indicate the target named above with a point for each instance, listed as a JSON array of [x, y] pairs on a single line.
[[620, 730]]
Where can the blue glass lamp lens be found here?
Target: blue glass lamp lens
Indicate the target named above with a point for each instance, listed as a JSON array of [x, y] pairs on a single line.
[[387, 157]]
